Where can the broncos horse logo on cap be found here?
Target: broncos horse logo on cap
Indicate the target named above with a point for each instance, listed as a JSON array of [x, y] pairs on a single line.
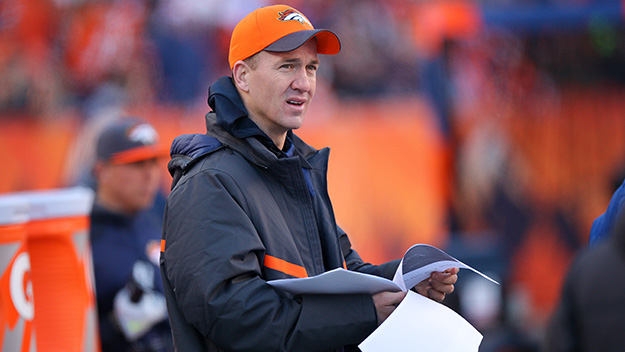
[[143, 133], [292, 15]]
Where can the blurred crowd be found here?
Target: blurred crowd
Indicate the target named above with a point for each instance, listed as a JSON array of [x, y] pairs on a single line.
[[87, 54], [59, 54]]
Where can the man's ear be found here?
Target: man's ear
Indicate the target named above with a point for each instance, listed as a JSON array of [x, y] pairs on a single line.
[[100, 172], [96, 170], [240, 75]]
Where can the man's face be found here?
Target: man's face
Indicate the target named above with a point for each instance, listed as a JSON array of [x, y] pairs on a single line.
[[281, 87], [128, 188]]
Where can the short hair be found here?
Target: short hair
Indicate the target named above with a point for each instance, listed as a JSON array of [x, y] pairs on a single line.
[[252, 61]]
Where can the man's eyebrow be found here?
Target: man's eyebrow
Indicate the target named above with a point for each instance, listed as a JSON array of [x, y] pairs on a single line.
[[297, 60], [290, 60]]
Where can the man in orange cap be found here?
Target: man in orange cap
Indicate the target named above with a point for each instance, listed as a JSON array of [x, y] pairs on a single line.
[[249, 204]]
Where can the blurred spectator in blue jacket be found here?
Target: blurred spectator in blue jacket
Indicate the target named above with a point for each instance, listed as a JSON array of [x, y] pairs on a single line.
[[590, 317], [125, 239], [604, 223]]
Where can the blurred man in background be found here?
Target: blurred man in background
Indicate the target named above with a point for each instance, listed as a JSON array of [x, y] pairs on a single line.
[[125, 237], [605, 223], [588, 317]]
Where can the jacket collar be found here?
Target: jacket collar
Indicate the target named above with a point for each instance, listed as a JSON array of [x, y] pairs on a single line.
[[228, 125], [232, 115]]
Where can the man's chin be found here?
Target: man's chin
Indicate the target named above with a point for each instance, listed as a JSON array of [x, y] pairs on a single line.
[[296, 122], [144, 203]]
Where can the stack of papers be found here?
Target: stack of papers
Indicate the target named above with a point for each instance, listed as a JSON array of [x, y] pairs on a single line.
[[418, 323], [419, 262]]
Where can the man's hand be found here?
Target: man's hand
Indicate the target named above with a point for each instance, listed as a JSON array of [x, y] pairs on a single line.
[[386, 302], [438, 284]]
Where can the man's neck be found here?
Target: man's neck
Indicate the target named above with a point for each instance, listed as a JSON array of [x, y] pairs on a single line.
[[278, 138]]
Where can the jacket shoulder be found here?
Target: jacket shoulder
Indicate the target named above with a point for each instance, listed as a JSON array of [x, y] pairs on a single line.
[[187, 150]]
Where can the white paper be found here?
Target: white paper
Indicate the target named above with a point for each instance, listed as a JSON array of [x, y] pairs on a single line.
[[337, 281], [420, 324], [419, 262]]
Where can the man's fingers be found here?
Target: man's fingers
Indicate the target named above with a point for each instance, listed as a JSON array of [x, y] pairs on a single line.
[[385, 303], [442, 283], [423, 289], [442, 287], [438, 285], [445, 277], [452, 270], [436, 295]]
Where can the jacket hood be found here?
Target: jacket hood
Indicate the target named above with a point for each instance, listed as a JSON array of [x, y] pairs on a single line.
[[228, 126], [225, 100], [232, 116]]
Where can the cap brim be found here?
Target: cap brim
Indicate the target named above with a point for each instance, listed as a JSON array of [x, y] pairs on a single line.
[[139, 154], [328, 43]]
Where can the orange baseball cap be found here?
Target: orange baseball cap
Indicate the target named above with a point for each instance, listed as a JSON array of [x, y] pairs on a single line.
[[278, 28]]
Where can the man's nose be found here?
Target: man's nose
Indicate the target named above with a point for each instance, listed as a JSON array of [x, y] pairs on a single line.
[[302, 81]]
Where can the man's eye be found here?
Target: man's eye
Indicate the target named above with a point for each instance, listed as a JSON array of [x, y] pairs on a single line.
[[287, 66]]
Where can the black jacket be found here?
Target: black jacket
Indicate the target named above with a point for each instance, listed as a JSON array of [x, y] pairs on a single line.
[[591, 313], [241, 212], [117, 242]]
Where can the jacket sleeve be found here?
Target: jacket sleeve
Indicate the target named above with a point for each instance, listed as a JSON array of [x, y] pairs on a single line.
[[213, 259], [355, 263]]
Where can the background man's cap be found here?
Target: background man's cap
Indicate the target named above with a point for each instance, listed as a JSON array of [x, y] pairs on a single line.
[[127, 141], [277, 28]]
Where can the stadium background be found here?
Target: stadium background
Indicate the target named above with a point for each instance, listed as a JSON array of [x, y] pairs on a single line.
[[492, 129]]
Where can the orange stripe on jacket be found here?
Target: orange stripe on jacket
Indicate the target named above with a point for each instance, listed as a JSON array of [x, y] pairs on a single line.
[[162, 245], [284, 266]]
